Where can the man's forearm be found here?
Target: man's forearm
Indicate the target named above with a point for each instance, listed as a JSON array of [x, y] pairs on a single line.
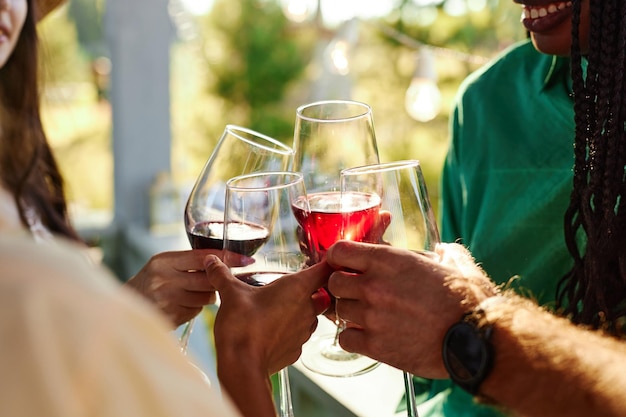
[[545, 366], [246, 385]]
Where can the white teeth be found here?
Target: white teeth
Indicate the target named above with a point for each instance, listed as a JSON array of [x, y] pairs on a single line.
[[534, 12]]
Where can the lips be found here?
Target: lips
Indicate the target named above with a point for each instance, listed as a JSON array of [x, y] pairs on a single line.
[[541, 18]]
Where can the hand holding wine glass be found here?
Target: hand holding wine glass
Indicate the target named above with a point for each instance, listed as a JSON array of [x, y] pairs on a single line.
[[239, 151], [409, 219], [259, 222], [260, 330]]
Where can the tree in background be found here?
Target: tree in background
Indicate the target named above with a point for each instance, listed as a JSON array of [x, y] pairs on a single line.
[[253, 67], [261, 57]]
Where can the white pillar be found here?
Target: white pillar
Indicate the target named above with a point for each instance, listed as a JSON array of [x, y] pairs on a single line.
[[138, 34]]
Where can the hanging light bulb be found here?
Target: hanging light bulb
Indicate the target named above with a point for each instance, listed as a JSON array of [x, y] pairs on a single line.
[[339, 50], [299, 11], [423, 98], [338, 57]]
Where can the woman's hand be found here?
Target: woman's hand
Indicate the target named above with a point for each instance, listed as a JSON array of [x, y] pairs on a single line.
[[176, 283]]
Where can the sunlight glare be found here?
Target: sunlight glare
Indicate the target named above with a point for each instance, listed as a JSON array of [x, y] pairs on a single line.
[[299, 10], [335, 12], [198, 7], [455, 7]]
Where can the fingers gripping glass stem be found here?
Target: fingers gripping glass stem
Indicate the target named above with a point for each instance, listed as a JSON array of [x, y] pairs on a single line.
[[411, 224]]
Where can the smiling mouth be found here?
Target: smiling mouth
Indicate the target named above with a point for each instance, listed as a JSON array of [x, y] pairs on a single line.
[[543, 18]]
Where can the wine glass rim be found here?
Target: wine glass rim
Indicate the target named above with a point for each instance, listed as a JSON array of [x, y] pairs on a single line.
[[367, 110], [381, 167], [279, 147], [294, 178]]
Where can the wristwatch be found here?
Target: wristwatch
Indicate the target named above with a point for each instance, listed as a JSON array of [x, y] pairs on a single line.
[[467, 351]]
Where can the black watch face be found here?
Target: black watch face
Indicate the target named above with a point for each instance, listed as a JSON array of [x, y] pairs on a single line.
[[466, 354]]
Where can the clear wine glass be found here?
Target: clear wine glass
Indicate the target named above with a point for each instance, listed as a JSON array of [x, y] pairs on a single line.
[[260, 222], [406, 219], [239, 151], [330, 136]]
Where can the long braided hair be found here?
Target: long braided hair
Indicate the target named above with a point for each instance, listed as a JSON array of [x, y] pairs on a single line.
[[27, 166], [593, 292]]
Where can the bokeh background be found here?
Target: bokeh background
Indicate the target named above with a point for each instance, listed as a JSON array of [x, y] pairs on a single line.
[[252, 62]]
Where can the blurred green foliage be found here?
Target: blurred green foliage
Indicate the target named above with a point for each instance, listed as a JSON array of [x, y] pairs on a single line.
[[249, 65], [264, 59]]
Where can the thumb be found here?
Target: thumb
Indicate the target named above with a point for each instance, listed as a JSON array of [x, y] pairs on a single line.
[[218, 273], [315, 276]]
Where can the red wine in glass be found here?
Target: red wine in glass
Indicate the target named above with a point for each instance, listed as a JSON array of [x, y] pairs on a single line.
[[246, 238], [334, 216]]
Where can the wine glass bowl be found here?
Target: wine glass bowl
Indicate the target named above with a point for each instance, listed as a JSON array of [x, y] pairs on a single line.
[[259, 223], [330, 136], [401, 188], [239, 151]]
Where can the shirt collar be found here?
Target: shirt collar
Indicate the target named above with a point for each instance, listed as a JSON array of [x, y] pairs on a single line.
[[557, 72]]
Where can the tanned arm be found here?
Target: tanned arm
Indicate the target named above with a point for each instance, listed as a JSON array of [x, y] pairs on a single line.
[[545, 366]]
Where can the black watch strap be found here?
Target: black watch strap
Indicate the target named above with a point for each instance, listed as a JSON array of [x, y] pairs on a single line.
[[467, 351]]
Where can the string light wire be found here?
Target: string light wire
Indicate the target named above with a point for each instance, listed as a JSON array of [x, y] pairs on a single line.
[[409, 42]]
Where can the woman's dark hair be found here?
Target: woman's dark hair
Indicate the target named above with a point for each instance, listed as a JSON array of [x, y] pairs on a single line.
[[27, 166], [593, 292]]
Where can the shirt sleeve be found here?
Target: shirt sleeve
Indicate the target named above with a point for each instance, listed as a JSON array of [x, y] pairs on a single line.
[[76, 344], [141, 369], [451, 200]]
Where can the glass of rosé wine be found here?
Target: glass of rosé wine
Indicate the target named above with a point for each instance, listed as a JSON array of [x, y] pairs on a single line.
[[330, 136], [405, 219], [239, 151]]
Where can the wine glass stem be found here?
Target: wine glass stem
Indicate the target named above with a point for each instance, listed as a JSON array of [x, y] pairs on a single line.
[[183, 342], [411, 406], [341, 325], [285, 406]]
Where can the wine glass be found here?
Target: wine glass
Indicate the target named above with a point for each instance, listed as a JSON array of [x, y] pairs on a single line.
[[239, 151], [330, 136], [260, 222], [406, 217]]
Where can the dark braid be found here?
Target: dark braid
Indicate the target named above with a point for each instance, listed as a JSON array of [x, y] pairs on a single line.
[[593, 292]]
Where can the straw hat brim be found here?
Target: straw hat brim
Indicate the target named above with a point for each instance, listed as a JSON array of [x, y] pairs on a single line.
[[46, 6]]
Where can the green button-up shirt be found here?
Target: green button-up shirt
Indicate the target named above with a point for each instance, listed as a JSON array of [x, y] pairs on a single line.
[[506, 183], [508, 174]]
